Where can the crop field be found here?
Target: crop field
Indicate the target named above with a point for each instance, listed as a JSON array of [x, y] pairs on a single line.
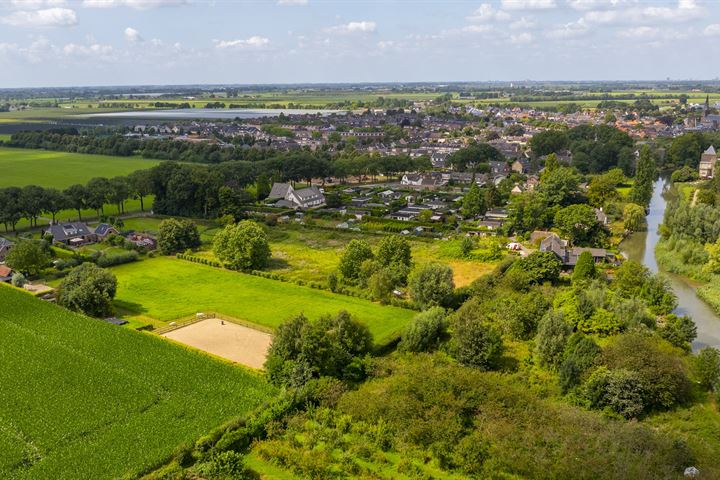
[[22, 167], [81, 398], [166, 289]]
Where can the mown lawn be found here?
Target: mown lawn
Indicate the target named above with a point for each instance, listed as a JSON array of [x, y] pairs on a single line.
[[80, 398], [166, 289], [22, 167]]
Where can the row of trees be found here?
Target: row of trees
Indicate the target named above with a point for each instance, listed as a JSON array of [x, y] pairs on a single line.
[[32, 201]]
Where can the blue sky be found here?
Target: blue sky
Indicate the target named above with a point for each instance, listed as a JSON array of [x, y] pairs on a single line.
[[122, 42]]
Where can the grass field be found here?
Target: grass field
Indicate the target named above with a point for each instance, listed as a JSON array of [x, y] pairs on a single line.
[[81, 398], [22, 167], [166, 288]]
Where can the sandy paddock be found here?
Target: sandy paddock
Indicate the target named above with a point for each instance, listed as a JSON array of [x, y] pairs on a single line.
[[232, 341]]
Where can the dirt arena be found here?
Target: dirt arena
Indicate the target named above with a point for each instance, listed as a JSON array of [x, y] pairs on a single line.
[[232, 341]]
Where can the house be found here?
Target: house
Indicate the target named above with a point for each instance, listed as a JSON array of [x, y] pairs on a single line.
[[5, 273], [567, 255], [287, 196], [104, 230], [499, 168], [499, 214], [708, 160], [433, 179], [5, 246], [72, 233], [520, 165], [601, 217]]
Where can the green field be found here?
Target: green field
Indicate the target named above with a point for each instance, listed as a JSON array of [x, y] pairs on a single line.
[[81, 398], [22, 167], [166, 289]]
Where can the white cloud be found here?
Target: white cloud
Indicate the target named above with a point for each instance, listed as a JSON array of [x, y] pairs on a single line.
[[528, 4], [712, 30], [521, 38], [597, 4], [569, 30], [252, 43], [353, 27], [486, 13], [93, 50], [523, 24], [293, 2], [36, 4], [136, 4], [642, 32], [685, 10], [132, 35], [49, 17]]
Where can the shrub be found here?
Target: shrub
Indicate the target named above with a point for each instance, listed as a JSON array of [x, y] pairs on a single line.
[[18, 280], [475, 343], [356, 252], [425, 332], [552, 336], [621, 391], [177, 235], [110, 259], [706, 366], [88, 289], [431, 285]]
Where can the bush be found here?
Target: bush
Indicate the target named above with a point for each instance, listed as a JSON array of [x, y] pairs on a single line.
[[475, 343], [431, 285], [706, 366], [552, 336], [18, 280], [226, 466], [177, 236], [88, 289], [621, 391], [425, 332], [110, 259]]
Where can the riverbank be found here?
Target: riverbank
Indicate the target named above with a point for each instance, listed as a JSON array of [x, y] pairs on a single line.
[[643, 247]]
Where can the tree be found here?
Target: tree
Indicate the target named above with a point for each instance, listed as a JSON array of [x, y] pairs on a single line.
[[99, 191], [332, 346], [579, 224], [539, 266], [10, 207], [356, 252], [552, 336], [394, 249], [706, 366], [381, 285], [470, 158], [559, 186], [678, 330], [642, 189], [77, 196], [119, 192], [242, 246], [140, 184], [88, 289], [431, 285], [633, 217], [549, 141], [177, 235], [475, 343], [32, 202], [426, 331], [28, 256], [584, 268], [55, 201], [603, 188], [622, 391], [474, 202]]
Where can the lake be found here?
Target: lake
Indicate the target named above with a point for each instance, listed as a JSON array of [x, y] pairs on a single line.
[[640, 247]]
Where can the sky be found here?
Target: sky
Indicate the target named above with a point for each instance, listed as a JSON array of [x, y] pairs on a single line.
[[139, 42]]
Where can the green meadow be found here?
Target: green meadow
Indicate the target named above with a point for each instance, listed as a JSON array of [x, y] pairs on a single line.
[[22, 167], [166, 289], [82, 398]]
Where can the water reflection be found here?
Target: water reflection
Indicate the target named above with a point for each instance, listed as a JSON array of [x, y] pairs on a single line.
[[640, 247]]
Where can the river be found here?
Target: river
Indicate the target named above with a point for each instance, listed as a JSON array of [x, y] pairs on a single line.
[[640, 247]]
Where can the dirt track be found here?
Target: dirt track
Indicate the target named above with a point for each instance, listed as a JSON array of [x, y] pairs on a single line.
[[234, 342]]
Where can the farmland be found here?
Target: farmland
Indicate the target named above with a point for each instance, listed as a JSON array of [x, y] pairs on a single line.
[[22, 167], [159, 288], [86, 399]]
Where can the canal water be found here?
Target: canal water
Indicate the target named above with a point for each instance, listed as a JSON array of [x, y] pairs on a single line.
[[640, 247]]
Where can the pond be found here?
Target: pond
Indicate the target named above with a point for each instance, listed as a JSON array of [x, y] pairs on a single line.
[[640, 247]]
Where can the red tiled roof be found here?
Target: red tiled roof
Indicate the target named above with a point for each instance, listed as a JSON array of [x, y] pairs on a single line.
[[5, 271]]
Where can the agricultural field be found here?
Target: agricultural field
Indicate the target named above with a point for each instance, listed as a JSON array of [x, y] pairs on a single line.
[[85, 399], [22, 167], [166, 289]]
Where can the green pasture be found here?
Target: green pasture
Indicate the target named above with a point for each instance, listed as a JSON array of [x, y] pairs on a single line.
[[82, 398], [166, 289], [20, 167]]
